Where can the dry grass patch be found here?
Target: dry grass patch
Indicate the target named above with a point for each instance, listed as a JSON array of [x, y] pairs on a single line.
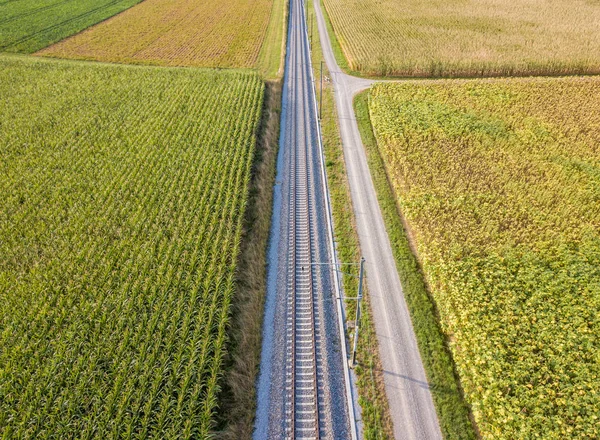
[[468, 37], [201, 33]]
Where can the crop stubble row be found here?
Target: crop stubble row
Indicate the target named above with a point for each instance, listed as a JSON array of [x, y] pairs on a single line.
[[120, 229]]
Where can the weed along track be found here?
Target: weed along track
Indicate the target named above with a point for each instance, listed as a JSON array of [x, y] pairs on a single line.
[[304, 387]]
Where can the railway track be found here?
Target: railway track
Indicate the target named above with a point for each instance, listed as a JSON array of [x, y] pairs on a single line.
[[304, 388], [302, 324]]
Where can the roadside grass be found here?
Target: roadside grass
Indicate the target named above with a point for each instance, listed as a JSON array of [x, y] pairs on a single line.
[[271, 59], [238, 397], [30, 25], [371, 388], [458, 38], [453, 412], [224, 34]]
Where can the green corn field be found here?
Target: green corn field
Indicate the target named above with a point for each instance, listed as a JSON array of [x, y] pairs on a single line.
[[122, 195]]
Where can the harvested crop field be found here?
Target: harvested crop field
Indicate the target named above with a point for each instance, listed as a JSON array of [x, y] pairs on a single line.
[[499, 182], [200, 33], [471, 38], [29, 25], [122, 196]]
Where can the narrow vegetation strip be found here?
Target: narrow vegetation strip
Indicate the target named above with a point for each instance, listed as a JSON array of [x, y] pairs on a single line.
[[271, 59], [227, 33], [373, 401], [29, 25], [499, 182], [459, 38], [123, 192], [453, 413], [243, 358]]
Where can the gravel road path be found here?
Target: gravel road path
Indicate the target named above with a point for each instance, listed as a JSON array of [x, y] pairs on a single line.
[[303, 387], [411, 406]]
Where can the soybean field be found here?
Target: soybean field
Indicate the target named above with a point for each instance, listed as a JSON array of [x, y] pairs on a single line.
[[467, 38], [122, 195], [29, 25], [499, 182]]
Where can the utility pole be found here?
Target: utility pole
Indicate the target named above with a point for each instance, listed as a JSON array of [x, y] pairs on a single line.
[[321, 98], [312, 23], [357, 320]]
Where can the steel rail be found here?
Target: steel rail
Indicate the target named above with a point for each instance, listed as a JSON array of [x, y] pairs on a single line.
[[350, 398], [301, 298]]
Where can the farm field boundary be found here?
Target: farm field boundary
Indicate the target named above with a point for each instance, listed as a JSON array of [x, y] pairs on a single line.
[[117, 289], [498, 182], [243, 358], [271, 58], [225, 34], [29, 25]]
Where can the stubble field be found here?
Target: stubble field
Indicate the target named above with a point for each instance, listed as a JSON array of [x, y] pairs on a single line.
[[499, 182], [29, 25], [122, 196], [467, 38], [228, 33]]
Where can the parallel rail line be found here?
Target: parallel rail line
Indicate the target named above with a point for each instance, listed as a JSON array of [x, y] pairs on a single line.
[[302, 378]]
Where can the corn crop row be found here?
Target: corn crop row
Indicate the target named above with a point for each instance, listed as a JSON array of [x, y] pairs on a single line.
[[500, 184], [123, 192]]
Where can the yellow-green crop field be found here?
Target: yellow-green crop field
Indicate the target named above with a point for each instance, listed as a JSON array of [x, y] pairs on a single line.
[[472, 38], [227, 33], [29, 25], [122, 195], [499, 182]]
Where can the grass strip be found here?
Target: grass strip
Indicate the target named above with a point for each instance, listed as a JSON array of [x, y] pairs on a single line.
[[271, 59], [239, 393], [453, 412]]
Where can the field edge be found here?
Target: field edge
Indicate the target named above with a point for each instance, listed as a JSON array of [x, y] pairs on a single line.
[[338, 52], [238, 396], [454, 413], [54, 41], [271, 58]]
